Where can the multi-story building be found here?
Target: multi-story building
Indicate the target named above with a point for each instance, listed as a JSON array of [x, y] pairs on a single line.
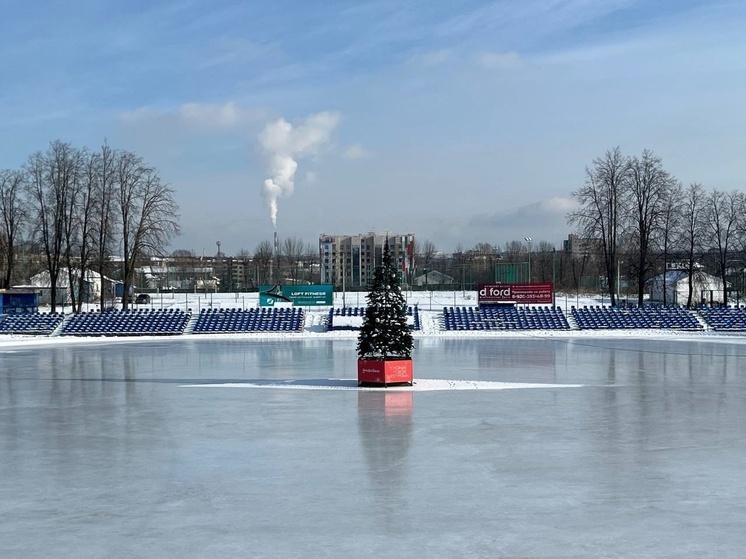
[[580, 245], [348, 261]]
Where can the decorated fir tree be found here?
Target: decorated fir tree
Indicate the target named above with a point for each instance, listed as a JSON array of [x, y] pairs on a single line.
[[385, 333]]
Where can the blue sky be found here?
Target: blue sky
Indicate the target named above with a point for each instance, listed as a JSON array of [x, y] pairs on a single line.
[[461, 121]]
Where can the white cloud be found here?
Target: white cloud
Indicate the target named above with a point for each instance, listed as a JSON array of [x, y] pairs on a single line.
[[356, 151], [138, 115], [306, 137], [557, 205], [204, 117]]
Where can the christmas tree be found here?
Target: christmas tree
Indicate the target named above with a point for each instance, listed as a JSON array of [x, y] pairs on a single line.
[[385, 332]]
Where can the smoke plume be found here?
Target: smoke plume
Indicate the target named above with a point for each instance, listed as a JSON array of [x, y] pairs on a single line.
[[283, 144]]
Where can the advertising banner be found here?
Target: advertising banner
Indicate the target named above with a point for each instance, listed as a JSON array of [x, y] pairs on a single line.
[[519, 293], [317, 295]]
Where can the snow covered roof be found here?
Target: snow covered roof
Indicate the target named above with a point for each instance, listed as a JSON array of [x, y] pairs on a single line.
[[42, 278]]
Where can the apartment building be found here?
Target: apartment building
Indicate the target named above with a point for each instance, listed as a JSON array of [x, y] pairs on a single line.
[[348, 261]]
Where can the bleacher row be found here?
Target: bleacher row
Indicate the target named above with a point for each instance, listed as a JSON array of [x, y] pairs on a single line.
[[30, 323], [360, 312], [606, 318], [214, 321], [154, 322], [504, 318], [724, 319], [138, 322]]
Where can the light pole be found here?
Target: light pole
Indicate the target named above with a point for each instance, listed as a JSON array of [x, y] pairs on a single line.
[[528, 240], [554, 274], [618, 280]]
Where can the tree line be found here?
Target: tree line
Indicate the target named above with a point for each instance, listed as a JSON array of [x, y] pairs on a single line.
[[75, 207], [72, 208], [641, 213]]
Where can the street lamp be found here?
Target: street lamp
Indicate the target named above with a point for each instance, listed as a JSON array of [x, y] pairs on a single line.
[[528, 240], [554, 274]]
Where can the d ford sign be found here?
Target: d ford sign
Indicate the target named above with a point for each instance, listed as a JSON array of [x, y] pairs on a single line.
[[520, 293]]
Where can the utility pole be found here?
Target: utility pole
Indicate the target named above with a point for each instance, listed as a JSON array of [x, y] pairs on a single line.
[[554, 274]]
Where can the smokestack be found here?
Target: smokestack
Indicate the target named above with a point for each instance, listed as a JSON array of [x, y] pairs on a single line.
[[276, 245]]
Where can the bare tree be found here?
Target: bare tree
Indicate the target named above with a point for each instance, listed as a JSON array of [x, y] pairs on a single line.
[[71, 226], [292, 250], [671, 219], [13, 216], [103, 225], [50, 175], [483, 257], [601, 212], [86, 217], [692, 231], [543, 262], [148, 214], [311, 260], [723, 212], [649, 188], [515, 251], [579, 266], [263, 255], [424, 253], [183, 253]]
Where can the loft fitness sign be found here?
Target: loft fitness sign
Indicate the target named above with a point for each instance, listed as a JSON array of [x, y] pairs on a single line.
[[299, 295], [520, 293]]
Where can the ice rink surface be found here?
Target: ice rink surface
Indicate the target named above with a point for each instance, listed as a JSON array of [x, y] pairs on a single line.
[[119, 450]]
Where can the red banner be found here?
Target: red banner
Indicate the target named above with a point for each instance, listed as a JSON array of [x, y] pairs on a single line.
[[519, 293]]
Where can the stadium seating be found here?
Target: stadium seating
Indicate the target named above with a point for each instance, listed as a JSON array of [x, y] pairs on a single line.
[[504, 318], [30, 323], [724, 319], [633, 318], [223, 321], [412, 312], [137, 322]]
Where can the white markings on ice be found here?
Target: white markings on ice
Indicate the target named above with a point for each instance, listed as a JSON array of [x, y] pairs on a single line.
[[420, 385]]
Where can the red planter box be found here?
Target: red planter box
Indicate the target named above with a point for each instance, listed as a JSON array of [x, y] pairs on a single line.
[[384, 372]]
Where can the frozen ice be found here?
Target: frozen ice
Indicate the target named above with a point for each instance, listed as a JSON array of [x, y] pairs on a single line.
[[106, 453]]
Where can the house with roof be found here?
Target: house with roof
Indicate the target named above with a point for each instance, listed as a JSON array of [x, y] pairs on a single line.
[[92, 286], [708, 289]]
